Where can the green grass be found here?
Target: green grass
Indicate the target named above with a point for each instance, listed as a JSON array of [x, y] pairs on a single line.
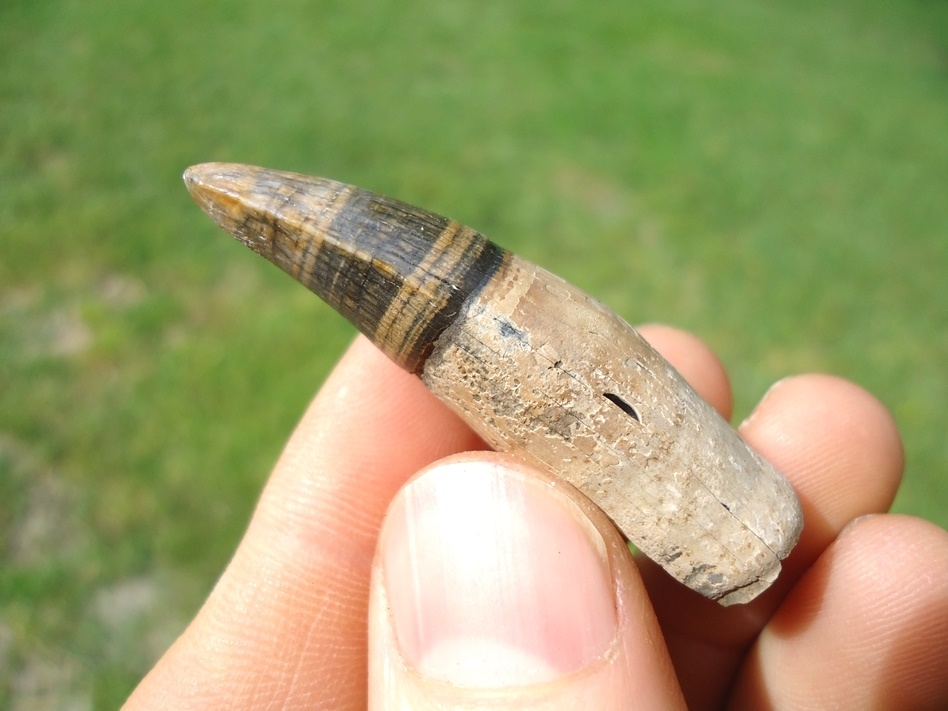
[[770, 175]]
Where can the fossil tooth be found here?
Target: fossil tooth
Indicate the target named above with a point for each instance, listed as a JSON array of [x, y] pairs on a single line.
[[534, 365]]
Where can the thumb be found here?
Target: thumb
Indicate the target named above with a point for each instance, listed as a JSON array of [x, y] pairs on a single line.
[[495, 586]]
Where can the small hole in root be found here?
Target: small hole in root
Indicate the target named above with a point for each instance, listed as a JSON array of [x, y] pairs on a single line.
[[623, 405]]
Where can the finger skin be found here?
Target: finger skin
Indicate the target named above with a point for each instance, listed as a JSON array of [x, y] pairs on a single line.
[[631, 671], [840, 448], [696, 362], [285, 625], [865, 628]]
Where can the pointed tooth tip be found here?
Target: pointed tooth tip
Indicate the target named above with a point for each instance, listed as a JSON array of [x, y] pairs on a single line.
[[202, 173], [209, 183], [198, 176], [216, 188]]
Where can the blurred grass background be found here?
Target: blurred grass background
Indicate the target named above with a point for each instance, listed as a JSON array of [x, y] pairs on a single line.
[[773, 176]]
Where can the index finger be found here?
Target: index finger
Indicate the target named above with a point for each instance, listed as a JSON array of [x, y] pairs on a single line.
[[286, 623]]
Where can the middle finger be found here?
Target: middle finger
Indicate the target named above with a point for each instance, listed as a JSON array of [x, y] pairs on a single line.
[[841, 450]]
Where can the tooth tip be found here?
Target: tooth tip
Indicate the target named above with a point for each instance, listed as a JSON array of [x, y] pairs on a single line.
[[196, 176], [207, 182], [209, 173]]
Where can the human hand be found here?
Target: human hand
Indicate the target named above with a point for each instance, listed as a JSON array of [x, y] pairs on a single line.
[[496, 586]]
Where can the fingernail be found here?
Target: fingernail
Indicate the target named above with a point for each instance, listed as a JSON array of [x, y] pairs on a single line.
[[770, 391], [494, 578]]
